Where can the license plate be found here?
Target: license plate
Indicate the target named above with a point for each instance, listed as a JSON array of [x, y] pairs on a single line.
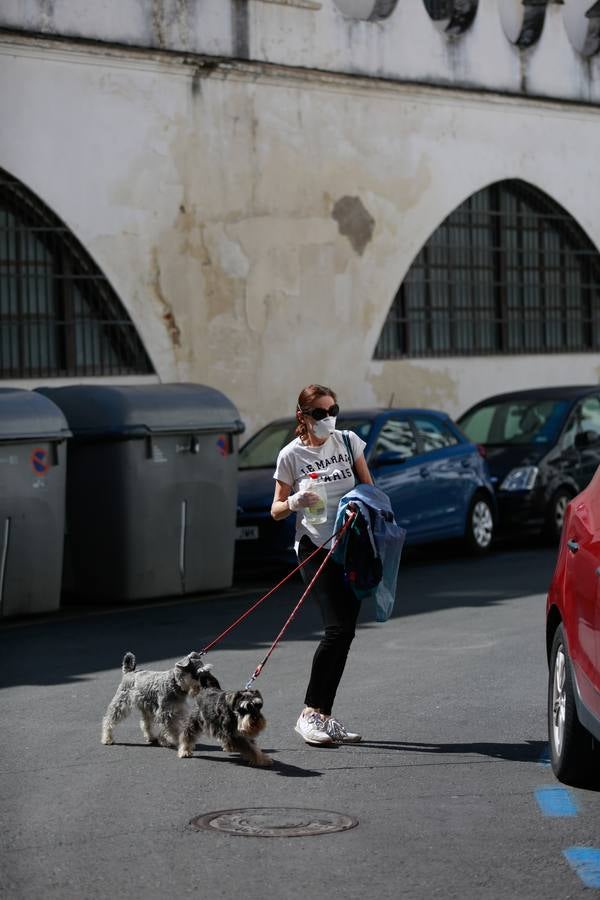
[[246, 533]]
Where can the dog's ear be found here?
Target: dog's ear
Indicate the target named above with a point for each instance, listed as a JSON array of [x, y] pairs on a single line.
[[184, 664], [231, 697]]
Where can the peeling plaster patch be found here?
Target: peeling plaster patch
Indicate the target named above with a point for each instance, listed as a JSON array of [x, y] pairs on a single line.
[[47, 11], [157, 22], [168, 316], [403, 383], [232, 258], [167, 14], [354, 222]]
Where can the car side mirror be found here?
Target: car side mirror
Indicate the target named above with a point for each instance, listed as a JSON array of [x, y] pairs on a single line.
[[388, 458], [585, 439]]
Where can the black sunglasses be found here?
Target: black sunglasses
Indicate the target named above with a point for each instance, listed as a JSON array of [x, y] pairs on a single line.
[[317, 414]]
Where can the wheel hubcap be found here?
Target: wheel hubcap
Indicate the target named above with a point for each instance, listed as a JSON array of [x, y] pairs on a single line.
[[482, 524], [558, 700], [559, 511]]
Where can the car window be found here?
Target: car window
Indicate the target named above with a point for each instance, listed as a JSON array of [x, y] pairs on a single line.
[[396, 436], [260, 452], [568, 436], [523, 421], [361, 427], [478, 424], [585, 417], [590, 414], [433, 434]]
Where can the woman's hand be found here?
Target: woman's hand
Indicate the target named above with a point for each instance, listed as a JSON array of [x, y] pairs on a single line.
[[302, 500]]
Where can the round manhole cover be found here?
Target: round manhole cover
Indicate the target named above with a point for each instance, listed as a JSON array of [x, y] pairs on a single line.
[[273, 821]]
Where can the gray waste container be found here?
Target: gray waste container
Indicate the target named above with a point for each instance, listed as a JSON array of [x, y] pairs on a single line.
[[33, 434], [151, 489]]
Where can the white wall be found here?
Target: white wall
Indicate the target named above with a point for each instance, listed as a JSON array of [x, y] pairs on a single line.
[[207, 197], [330, 35]]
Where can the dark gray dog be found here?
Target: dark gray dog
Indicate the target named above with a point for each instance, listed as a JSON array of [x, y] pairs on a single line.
[[159, 696], [234, 718]]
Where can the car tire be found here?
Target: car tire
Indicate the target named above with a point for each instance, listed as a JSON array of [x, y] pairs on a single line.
[[479, 527], [555, 514], [574, 755]]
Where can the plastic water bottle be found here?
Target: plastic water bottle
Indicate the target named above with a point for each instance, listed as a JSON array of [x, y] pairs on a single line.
[[317, 514]]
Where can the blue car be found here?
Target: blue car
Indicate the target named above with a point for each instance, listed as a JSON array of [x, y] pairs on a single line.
[[437, 481]]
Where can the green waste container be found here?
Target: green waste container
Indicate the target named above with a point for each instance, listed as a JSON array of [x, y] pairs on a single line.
[[151, 489], [33, 435]]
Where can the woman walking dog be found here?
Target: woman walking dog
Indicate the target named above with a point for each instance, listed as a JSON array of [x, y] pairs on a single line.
[[320, 448]]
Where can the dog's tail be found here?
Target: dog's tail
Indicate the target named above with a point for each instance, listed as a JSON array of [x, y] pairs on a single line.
[[128, 664]]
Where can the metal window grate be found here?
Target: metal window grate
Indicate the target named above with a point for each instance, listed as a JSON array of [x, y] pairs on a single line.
[[509, 271], [59, 316]]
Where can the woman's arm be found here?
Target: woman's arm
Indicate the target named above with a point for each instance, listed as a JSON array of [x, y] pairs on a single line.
[[284, 502], [279, 507], [362, 471]]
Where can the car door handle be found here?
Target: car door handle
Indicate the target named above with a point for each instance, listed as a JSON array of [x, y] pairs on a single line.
[[465, 463], [424, 472], [573, 546]]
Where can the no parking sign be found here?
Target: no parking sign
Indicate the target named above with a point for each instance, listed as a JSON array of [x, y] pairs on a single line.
[[40, 461]]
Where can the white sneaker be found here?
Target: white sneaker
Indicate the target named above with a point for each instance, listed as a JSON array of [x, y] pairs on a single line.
[[312, 727], [340, 733]]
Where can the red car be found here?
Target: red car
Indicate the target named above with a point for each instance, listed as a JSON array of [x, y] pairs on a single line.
[[573, 642]]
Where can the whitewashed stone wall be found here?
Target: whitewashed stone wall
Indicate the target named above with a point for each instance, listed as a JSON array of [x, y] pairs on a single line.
[[212, 192]]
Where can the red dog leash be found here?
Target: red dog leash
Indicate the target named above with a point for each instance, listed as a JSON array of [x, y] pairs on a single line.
[[338, 535]]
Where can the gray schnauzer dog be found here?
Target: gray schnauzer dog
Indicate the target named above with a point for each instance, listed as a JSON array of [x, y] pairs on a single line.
[[159, 696], [234, 718]]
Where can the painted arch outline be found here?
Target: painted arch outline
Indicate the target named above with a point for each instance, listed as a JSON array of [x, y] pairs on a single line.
[[59, 315], [509, 271]]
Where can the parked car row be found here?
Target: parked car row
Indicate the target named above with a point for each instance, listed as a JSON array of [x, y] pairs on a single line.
[[542, 448], [512, 461]]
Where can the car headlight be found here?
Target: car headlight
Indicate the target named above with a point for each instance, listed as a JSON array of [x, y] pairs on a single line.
[[520, 479]]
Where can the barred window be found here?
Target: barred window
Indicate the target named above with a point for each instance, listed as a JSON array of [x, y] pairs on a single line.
[[509, 271], [59, 316]]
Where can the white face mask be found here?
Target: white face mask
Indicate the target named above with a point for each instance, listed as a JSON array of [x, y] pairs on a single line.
[[324, 427]]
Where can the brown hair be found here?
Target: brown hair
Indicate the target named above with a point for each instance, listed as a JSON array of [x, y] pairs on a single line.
[[306, 401]]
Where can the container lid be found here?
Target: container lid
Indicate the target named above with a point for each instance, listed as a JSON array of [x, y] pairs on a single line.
[[26, 415], [114, 411]]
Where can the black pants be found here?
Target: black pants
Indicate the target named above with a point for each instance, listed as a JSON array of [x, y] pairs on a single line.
[[339, 609]]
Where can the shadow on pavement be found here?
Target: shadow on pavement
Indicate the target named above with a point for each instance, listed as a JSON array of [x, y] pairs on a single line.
[[74, 644], [528, 751]]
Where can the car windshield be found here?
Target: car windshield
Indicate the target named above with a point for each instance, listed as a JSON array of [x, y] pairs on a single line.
[[260, 452], [523, 421]]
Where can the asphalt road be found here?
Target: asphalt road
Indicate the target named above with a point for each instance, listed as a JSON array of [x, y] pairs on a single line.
[[449, 787]]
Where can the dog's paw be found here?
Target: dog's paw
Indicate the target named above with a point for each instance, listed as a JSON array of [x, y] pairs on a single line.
[[262, 761], [107, 739], [184, 754]]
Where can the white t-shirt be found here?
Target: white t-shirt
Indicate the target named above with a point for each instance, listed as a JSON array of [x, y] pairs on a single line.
[[332, 461]]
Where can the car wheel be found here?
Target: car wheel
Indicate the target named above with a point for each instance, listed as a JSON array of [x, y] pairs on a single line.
[[479, 530], [573, 751], [555, 514]]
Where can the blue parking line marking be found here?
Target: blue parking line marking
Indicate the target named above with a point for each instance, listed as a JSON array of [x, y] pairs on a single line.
[[555, 801], [586, 862]]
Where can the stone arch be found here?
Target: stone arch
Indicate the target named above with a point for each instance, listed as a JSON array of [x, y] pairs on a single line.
[[59, 315], [509, 271]]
